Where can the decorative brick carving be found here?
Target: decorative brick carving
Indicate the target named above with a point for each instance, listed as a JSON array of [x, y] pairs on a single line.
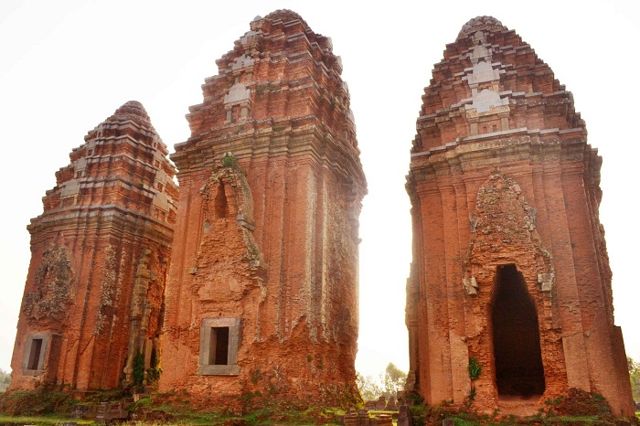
[[271, 187], [113, 204], [507, 240], [109, 289], [52, 294], [504, 230]]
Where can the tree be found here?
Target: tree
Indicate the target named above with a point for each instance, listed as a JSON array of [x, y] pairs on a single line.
[[634, 375], [5, 380], [394, 380], [387, 385], [369, 389]]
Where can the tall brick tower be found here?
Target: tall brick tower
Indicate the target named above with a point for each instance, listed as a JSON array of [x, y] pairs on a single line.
[[509, 300], [99, 256], [262, 292]]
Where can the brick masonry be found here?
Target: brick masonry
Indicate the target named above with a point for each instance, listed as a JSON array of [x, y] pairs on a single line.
[[267, 231], [99, 256], [501, 174]]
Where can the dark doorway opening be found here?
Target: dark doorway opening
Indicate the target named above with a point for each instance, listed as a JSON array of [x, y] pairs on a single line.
[[219, 346], [516, 339]]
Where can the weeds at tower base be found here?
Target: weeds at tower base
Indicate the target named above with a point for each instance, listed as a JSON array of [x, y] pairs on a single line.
[[577, 407]]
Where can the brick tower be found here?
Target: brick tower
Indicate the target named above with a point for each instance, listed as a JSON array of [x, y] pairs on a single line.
[[262, 291], [99, 255], [509, 301]]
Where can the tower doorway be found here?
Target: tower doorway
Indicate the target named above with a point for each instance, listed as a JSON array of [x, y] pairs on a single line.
[[516, 338]]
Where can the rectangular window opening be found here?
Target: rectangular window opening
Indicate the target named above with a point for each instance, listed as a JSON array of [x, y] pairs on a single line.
[[219, 346], [34, 354]]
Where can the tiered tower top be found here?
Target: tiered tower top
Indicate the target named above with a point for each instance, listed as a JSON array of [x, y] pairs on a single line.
[[122, 165], [491, 84], [281, 80], [481, 23]]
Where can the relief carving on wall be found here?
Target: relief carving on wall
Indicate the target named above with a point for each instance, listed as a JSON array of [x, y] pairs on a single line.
[[108, 290], [503, 230], [51, 293], [227, 196], [229, 272]]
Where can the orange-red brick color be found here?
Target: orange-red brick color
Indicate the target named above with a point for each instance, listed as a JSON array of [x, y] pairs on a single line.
[[266, 247], [510, 270], [99, 258]]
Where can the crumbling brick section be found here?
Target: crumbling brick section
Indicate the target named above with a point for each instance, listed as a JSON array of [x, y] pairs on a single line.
[[510, 272], [261, 302], [99, 256]]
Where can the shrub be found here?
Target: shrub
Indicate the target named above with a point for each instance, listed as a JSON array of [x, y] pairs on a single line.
[[39, 401], [138, 370], [474, 368]]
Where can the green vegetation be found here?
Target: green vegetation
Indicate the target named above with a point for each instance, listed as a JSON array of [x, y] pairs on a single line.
[[551, 421], [36, 407], [229, 160], [138, 370], [174, 408], [37, 402], [42, 420], [387, 385], [148, 413], [417, 409], [394, 380], [634, 376], [154, 371], [474, 373], [435, 415], [474, 368], [5, 380], [369, 389], [577, 407], [261, 417], [579, 403]]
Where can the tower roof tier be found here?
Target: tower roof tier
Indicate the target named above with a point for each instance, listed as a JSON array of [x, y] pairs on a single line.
[[491, 81]]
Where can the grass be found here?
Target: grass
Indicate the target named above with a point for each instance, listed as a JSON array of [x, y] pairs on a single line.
[[585, 420], [260, 417], [556, 420], [41, 420], [186, 416], [183, 414], [376, 412]]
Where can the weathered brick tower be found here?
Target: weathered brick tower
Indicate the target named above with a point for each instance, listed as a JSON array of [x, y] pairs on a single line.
[[510, 270], [262, 294], [99, 256]]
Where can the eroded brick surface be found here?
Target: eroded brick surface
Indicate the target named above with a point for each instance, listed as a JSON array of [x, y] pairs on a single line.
[[501, 174], [100, 252], [267, 235]]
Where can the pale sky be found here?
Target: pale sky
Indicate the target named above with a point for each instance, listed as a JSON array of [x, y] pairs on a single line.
[[65, 66]]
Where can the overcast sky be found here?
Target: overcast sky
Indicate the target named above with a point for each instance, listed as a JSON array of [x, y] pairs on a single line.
[[65, 66]]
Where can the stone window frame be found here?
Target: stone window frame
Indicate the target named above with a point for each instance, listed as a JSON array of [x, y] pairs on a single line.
[[44, 350], [231, 368]]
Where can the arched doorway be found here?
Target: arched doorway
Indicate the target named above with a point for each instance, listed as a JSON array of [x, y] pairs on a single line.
[[516, 338]]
